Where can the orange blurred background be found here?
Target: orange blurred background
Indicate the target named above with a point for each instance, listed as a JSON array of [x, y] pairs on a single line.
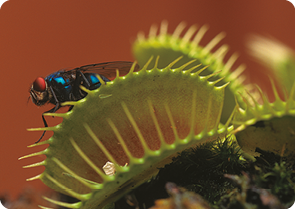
[[40, 37]]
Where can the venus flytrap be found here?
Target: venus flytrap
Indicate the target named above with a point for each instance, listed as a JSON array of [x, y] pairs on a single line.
[[147, 117], [269, 126], [170, 46], [138, 122]]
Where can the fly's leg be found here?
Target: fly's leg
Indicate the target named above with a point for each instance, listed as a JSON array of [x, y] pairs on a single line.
[[70, 108], [84, 79], [53, 110], [57, 106], [77, 92], [45, 125]]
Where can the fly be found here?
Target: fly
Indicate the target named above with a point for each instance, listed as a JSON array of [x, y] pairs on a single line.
[[64, 85]]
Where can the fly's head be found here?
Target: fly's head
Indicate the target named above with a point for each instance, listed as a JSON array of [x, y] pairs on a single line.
[[39, 92]]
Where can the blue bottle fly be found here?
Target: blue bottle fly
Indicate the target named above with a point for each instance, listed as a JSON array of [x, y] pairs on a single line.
[[64, 85]]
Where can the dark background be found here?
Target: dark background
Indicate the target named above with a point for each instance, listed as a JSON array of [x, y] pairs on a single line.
[[38, 37]]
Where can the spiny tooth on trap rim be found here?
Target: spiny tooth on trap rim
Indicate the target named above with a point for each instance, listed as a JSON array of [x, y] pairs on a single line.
[[147, 118], [171, 46]]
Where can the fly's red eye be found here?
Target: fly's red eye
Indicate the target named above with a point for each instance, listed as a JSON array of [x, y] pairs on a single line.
[[39, 84]]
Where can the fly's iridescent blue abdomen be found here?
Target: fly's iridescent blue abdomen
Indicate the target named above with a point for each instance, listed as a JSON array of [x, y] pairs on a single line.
[[93, 80]]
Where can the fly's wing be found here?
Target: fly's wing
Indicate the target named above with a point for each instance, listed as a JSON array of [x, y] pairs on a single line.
[[108, 69]]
